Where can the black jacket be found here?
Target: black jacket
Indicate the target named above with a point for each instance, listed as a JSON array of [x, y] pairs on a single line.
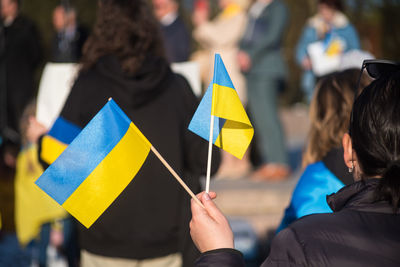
[[151, 216], [21, 58], [360, 232]]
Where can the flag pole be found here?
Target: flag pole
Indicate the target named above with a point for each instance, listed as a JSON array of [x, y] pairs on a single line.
[[210, 143], [179, 179], [210, 140]]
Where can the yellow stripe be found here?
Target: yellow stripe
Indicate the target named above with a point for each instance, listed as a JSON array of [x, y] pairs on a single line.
[[51, 149], [234, 138], [109, 178], [227, 105], [237, 132]]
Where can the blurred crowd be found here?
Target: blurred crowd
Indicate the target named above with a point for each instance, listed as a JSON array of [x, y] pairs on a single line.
[[127, 55]]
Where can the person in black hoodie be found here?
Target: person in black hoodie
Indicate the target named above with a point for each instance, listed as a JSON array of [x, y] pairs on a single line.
[[364, 228], [124, 59]]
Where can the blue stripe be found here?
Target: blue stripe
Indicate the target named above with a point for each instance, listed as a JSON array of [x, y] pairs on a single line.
[[221, 76], [64, 130], [200, 123], [83, 155]]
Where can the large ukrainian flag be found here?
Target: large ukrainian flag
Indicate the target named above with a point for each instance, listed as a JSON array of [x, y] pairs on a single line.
[[232, 130], [97, 166]]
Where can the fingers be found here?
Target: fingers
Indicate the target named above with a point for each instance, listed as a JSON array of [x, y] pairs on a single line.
[[211, 210], [209, 228], [196, 208], [210, 206]]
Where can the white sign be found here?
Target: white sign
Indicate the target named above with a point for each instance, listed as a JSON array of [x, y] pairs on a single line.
[[55, 85]]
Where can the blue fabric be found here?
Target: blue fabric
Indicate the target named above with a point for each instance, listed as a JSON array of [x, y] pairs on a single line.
[[309, 195], [221, 76], [64, 130], [60, 180], [348, 34], [200, 123]]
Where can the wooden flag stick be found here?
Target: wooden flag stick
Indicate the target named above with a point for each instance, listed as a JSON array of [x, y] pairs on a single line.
[[176, 175], [210, 143]]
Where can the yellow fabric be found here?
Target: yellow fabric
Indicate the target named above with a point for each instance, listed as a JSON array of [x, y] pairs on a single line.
[[32, 206], [51, 149], [109, 178], [237, 132], [231, 10], [335, 48]]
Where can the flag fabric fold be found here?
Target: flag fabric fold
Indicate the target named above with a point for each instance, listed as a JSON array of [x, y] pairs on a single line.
[[232, 129], [97, 166]]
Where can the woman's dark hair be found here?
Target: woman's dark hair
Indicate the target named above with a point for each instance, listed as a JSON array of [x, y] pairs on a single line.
[[375, 134], [335, 4], [126, 29]]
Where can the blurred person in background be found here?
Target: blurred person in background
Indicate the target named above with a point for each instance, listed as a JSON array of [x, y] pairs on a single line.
[[69, 35], [324, 169], [222, 35], [336, 32], [22, 55], [124, 59], [175, 34], [261, 61], [42, 225]]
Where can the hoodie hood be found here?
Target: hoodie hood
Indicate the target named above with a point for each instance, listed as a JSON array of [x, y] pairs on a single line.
[[143, 86]]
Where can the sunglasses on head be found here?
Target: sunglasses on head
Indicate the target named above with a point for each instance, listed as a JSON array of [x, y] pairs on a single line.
[[376, 68]]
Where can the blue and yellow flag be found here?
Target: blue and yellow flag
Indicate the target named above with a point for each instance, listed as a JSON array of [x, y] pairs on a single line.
[[232, 130], [97, 166], [57, 139]]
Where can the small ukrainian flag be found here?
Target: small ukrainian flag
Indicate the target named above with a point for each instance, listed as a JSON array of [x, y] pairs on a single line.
[[97, 166], [232, 130]]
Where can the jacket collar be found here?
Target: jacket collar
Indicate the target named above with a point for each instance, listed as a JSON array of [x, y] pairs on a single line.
[[359, 196]]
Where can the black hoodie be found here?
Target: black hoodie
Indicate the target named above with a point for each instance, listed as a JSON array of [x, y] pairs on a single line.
[[150, 217]]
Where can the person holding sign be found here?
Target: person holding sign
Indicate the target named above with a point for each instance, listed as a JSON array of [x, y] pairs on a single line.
[[330, 30]]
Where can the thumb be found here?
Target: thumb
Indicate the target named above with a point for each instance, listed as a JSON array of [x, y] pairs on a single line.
[[210, 206]]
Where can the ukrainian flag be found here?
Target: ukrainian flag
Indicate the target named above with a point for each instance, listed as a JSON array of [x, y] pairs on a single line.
[[97, 166], [232, 130], [57, 139]]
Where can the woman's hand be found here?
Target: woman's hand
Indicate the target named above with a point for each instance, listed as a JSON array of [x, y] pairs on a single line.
[[209, 228]]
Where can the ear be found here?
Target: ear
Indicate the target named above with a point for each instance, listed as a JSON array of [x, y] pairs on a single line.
[[348, 156]]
